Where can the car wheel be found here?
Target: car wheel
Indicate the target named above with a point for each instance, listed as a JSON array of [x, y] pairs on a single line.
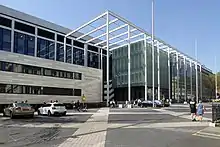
[[38, 112], [11, 115], [49, 113], [64, 114]]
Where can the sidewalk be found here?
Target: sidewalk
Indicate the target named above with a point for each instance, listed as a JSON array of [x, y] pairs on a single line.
[[92, 133]]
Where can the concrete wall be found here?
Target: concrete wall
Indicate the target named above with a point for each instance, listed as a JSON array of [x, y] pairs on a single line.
[[90, 83]]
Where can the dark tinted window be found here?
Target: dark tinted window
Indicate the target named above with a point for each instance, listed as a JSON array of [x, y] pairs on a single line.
[[93, 59], [77, 92], [46, 34], [5, 88], [5, 40], [60, 38], [68, 54], [27, 69], [60, 52], [104, 52], [68, 41], [47, 105], [6, 66], [78, 44], [5, 22], [60, 105], [24, 27], [77, 76], [18, 89], [93, 48], [78, 56], [45, 49], [24, 44], [57, 91]]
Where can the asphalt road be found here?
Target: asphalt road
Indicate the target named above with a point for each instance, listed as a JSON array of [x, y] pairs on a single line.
[[148, 128]]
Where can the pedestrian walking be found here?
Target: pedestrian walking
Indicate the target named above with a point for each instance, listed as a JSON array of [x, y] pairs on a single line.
[[192, 106], [200, 110]]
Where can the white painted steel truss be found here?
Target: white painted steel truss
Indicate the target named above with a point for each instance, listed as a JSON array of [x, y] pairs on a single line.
[[110, 31]]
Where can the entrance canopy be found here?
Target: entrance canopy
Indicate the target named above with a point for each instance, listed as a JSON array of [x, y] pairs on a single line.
[[110, 31]]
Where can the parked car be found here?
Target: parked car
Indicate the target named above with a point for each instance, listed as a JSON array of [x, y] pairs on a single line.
[[52, 109], [19, 109], [148, 103]]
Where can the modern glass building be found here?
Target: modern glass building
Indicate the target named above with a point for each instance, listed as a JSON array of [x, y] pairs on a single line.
[[107, 57], [181, 74]]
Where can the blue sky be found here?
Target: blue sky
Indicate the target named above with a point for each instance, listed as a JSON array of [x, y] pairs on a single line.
[[177, 22]]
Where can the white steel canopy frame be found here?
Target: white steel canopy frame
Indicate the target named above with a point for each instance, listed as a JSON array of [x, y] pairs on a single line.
[[110, 31]]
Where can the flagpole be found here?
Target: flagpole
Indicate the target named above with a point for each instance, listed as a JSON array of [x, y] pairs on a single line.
[[216, 78]]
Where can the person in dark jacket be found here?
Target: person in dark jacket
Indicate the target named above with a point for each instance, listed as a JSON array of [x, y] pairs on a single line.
[[192, 105]]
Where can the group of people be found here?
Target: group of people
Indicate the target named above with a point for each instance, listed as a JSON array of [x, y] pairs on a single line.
[[197, 111], [80, 106]]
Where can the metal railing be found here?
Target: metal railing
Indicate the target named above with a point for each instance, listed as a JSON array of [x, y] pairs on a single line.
[[215, 112]]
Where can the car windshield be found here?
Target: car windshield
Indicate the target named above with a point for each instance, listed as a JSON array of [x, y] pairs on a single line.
[[59, 105], [22, 105]]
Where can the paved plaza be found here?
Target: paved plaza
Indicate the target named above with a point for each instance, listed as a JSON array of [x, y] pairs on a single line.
[[104, 127]]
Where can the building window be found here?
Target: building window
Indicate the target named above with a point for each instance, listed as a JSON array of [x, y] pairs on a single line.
[[5, 40], [24, 27], [78, 56], [5, 22], [46, 34], [77, 92], [57, 91], [5, 88], [77, 76], [17, 89], [24, 44], [6, 66], [45, 49], [93, 59], [60, 38], [68, 54], [27, 69], [60, 52], [78, 44]]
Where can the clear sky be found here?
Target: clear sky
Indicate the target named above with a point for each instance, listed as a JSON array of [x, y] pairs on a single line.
[[177, 22]]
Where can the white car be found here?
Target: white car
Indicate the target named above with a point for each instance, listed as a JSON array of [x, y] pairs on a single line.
[[52, 109]]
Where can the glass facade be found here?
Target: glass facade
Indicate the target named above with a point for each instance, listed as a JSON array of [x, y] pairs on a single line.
[[48, 45], [182, 78], [45, 49], [92, 59], [78, 56], [60, 52], [24, 44], [5, 39]]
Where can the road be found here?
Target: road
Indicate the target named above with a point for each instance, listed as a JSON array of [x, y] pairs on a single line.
[[136, 127]]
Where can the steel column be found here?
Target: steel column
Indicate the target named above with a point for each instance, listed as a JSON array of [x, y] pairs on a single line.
[[158, 72], [12, 35], [200, 69], [145, 68], [107, 45], [197, 96], [185, 68], [196, 67], [101, 67], [191, 79], [169, 84], [177, 77], [129, 65], [153, 88]]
